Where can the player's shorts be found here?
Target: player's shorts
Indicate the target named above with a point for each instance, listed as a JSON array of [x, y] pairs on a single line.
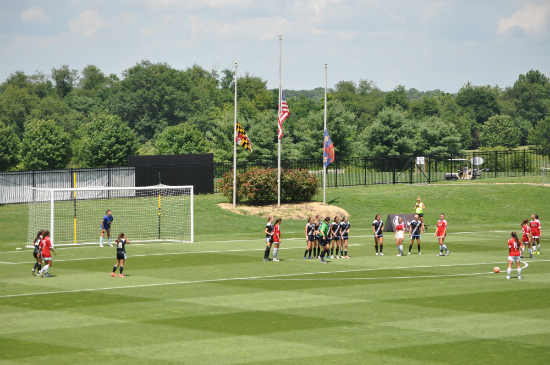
[[345, 237], [317, 237], [47, 258], [276, 242], [336, 238], [441, 236], [325, 241], [415, 237], [36, 254], [310, 237], [535, 237], [399, 235], [269, 239], [514, 258], [121, 255], [378, 235], [420, 215], [105, 229]]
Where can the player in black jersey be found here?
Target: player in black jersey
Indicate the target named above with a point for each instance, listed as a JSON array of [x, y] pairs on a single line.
[[344, 228], [318, 238], [36, 252], [378, 228], [415, 229], [121, 241], [336, 236], [268, 237], [310, 236]]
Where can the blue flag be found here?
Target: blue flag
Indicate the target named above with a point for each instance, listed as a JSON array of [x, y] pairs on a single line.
[[328, 150]]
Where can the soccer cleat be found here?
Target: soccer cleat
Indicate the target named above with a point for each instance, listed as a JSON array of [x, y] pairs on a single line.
[[507, 277], [420, 253], [448, 252], [276, 260], [32, 272], [304, 257], [121, 276], [519, 277], [110, 245], [399, 254], [381, 254], [347, 257], [47, 274], [310, 258], [377, 254], [113, 274], [409, 253], [338, 256], [39, 272], [323, 262], [100, 245], [332, 257], [440, 254], [266, 259]]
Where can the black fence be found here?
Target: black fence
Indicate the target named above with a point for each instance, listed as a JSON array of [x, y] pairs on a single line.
[[342, 172], [411, 169]]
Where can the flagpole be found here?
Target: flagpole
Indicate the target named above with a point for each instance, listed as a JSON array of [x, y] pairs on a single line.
[[279, 116], [235, 145], [324, 165]]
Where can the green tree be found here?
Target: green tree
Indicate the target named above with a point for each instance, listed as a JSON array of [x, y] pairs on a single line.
[[153, 96], [433, 135], [182, 138], [397, 97], [480, 101], [9, 148], [107, 141], [15, 106], [500, 130], [64, 79], [531, 94], [390, 134], [92, 79], [540, 135], [45, 146], [53, 108]]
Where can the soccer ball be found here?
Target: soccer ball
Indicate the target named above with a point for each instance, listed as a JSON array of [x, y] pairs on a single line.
[[496, 269]]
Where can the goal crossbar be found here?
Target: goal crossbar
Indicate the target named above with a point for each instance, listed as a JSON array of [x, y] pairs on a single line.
[[149, 213]]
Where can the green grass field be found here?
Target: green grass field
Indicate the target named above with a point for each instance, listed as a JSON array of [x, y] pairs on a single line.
[[217, 302]]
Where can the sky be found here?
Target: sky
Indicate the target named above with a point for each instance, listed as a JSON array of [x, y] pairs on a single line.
[[425, 45]]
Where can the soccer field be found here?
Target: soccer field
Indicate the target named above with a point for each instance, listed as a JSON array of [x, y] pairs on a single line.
[[217, 302]]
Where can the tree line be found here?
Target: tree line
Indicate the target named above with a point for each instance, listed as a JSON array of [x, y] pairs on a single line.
[[86, 118]]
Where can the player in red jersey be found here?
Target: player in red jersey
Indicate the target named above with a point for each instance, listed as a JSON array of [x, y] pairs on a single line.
[[276, 238], [441, 233], [514, 254], [526, 238], [399, 235], [47, 249], [535, 233]]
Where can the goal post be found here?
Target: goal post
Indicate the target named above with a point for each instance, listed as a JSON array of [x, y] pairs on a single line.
[[74, 215]]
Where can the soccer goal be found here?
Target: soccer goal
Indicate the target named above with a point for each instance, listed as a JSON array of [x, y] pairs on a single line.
[[73, 215], [545, 173]]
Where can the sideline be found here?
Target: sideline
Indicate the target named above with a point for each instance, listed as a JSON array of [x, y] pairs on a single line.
[[271, 277]]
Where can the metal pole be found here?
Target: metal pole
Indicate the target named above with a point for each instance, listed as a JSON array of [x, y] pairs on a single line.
[[279, 117], [325, 127], [235, 145]]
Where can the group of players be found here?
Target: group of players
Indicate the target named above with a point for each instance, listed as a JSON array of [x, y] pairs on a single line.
[[323, 237], [531, 232], [43, 247]]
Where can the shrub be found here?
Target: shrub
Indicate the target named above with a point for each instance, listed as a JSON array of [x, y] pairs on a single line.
[[259, 186]]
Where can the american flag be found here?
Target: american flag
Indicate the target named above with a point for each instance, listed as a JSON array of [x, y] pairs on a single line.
[[283, 114]]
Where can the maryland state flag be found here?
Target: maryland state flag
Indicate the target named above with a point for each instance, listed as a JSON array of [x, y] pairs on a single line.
[[242, 138], [328, 150]]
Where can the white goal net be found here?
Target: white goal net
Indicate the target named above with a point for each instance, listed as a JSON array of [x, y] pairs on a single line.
[[545, 173], [74, 215]]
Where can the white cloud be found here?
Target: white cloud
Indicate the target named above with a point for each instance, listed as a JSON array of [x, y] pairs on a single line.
[[34, 14], [88, 22], [531, 19]]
